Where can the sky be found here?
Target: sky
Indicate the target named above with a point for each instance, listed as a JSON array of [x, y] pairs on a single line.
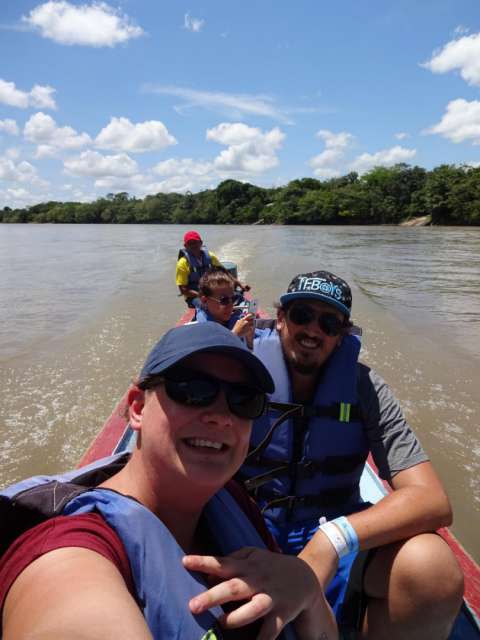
[[149, 96]]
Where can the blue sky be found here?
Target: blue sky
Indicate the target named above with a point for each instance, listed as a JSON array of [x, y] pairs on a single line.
[[149, 96]]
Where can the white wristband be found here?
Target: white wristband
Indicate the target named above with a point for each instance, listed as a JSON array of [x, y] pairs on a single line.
[[336, 537]]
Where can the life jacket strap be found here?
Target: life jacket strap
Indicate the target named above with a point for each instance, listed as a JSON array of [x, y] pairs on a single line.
[[330, 466], [341, 411], [322, 499]]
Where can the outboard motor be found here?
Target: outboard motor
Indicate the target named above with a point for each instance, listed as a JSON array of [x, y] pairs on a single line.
[[231, 267]]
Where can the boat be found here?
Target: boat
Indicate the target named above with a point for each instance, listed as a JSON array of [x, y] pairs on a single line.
[[117, 436]]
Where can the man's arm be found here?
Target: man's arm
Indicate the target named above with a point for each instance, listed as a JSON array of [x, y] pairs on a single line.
[[418, 502], [181, 279], [72, 594]]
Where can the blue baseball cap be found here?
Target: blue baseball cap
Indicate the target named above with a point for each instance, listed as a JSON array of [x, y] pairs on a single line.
[[320, 285], [203, 337]]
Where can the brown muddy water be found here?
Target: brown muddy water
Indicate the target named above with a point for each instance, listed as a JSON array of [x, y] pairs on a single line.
[[80, 306]]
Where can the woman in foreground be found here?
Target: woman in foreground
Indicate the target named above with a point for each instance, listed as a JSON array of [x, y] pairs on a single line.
[[119, 561]]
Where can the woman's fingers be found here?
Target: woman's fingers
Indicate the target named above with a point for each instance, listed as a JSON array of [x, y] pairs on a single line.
[[227, 591], [258, 607], [206, 564], [274, 587]]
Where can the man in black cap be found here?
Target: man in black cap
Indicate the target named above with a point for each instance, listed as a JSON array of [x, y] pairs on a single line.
[[108, 560], [305, 473]]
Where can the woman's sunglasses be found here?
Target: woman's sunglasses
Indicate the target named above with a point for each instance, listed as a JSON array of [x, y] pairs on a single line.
[[303, 314], [195, 389], [224, 300]]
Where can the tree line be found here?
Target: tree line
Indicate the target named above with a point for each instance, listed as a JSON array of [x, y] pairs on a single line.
[[448, 194]]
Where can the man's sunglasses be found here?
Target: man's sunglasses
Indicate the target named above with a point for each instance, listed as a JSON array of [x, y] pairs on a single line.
[[224, 300], [195, 389], [303, 314]]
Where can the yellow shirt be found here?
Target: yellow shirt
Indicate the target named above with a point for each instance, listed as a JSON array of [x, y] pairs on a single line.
[[183, 269]]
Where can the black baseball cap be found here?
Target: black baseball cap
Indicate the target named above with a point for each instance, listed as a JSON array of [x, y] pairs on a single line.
[[320, 285], [203, 337]]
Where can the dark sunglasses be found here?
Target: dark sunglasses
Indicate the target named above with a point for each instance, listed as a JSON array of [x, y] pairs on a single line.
[[224, 300], [303, 314], [195, 389]]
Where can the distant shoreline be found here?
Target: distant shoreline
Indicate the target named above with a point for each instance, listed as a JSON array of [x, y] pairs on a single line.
[[398, 195]]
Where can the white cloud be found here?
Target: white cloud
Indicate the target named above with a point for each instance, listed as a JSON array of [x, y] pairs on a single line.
[[401, 135], [325, 164], [233, 105], [233, 133], [13, 153], [122, 135], [39, 96], [18, 197], [12, 96], [96, 24], [94, 164], [463, 54], [9, 126], [249, 151], [460, 122], [332, 140], [181, 184], [143, 185], [461, 30], [45, 151], [182, 167], [42, 130], [384, 158], [10, 171], [193, 24], [183, 174]]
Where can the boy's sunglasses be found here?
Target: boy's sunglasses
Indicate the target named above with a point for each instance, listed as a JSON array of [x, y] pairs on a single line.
[[224, 300], [195, 389], [303, 314]]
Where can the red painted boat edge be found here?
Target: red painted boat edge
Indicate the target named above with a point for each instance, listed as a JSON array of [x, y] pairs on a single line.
[[106, 441]]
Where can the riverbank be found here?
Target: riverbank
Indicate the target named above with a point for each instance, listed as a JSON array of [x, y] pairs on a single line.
[[384, 195]]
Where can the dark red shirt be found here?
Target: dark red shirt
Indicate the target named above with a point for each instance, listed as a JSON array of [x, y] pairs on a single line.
[[90, 531]]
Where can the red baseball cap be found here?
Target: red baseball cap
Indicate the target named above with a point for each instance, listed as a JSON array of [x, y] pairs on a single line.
[[191, 235]]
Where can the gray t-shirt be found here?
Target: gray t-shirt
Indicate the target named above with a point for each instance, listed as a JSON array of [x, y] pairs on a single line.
[[393, 444]]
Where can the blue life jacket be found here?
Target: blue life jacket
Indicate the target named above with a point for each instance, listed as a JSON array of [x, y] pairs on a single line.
[[198, 266], [312, 464], [163, 586], [202, 315]]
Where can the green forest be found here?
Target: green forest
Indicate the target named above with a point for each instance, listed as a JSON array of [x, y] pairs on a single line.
[[448, 195]]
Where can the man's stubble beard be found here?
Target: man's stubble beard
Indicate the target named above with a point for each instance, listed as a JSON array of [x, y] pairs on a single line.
[[301, 368]]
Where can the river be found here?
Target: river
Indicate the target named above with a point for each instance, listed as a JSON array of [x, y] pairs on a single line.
[[80, 306]]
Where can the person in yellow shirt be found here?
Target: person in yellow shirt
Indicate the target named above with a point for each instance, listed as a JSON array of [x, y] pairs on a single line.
[[193, 261]]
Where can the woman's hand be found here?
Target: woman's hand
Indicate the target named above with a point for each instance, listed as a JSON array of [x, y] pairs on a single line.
[[275, 587]]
